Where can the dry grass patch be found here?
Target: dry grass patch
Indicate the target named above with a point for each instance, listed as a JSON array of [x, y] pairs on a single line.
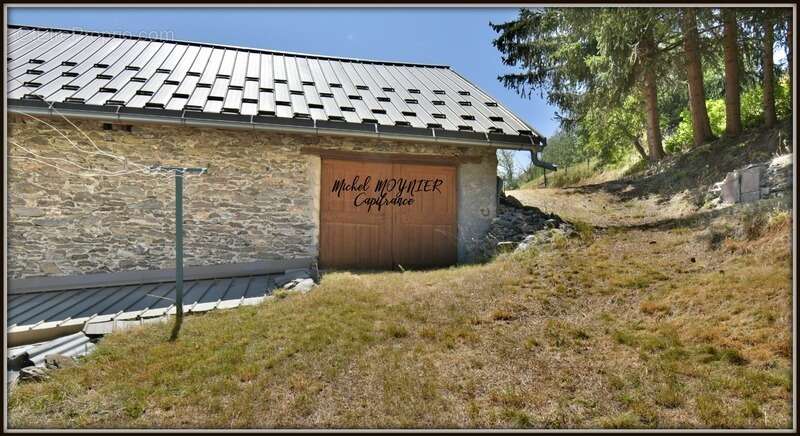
[[610, 331]]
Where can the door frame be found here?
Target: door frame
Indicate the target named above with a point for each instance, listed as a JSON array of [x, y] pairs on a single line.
[[400, 158]]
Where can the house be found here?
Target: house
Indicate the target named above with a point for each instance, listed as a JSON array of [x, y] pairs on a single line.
[[350, 163]]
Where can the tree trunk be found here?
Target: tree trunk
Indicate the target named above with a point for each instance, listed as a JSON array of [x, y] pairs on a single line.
[[651, 116], [638, 144], [733, 117], [769, 72], [694, 76], [650, 95], [789, 32]]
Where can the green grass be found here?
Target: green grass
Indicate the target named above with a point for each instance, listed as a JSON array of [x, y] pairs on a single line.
[[608, 331], [583, 172], [565, 176]]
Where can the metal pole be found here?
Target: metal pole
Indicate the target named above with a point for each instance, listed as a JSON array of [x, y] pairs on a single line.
[[179, 242], [179, 172], [178, 253]]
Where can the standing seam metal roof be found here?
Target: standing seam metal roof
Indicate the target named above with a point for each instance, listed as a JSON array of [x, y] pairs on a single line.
[[106, 71], [49, 309]]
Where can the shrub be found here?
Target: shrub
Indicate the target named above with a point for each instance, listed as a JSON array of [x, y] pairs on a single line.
[[754, 223], [396, 331], [584, 229], [751, 110]]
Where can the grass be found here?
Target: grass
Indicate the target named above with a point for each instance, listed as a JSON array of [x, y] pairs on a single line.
[[616, 330], [565, 176], [584, 173]]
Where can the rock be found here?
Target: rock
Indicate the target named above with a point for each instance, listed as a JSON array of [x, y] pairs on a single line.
[[506, 246], [151, 204], [52, 222], [50, 268], [33, 374], [300, 284], [13, 378], [57, 361], [516, 228], [131, 190], [526, 243], [38, 140], [140, 249], [752, 182], [291, 275], [512, 201], [83, 197], [304, 285], [28, 212], [569, 230]]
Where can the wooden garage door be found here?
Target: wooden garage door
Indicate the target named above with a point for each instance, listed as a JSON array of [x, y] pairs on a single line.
[[378, 215]]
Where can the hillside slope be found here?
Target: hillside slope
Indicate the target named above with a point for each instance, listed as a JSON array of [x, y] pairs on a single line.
[[660, 317]]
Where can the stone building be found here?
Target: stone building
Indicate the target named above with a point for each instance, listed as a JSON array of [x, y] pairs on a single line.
[[349, 163]]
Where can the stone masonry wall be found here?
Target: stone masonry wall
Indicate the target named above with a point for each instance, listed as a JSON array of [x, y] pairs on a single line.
[[477, 205], [259, 201]]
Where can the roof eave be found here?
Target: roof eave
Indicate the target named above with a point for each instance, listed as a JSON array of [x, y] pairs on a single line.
[[275, 124]]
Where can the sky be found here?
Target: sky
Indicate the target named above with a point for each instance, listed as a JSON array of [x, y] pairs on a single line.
[[458, 37]]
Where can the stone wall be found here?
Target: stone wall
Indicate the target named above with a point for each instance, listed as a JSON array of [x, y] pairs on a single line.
[[477, 205], [753, 182], [260, 200]]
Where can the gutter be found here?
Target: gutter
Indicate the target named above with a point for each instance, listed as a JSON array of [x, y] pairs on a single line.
[[275, 124], [536, 155]]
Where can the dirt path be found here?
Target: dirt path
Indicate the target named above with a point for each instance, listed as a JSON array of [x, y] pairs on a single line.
[[601, 208]]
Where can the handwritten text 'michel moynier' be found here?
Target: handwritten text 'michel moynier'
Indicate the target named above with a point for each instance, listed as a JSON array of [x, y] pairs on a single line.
[[388, 191]]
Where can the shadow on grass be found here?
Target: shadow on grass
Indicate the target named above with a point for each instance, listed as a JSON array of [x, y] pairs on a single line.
[[697, 169], [697, 219]]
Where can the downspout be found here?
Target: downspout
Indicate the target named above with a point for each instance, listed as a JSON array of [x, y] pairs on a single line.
[[536, 154]]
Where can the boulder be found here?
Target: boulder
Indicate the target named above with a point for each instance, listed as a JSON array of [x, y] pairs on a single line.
[[752, 183], [33, 374], [515, 228]]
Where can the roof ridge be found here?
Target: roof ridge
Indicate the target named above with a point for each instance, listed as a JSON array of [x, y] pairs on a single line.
[[227, 46]]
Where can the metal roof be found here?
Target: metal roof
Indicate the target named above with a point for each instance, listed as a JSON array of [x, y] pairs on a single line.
[[77, 307], [74, 345], [132, 76]]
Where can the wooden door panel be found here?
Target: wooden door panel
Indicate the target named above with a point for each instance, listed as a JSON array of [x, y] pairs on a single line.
[[338, 206], [422, 234], [350, 236], [357, 246], [425, 232]]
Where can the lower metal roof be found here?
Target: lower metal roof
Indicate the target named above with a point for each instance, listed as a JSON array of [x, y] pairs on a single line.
[[44, 308], [76, 307]]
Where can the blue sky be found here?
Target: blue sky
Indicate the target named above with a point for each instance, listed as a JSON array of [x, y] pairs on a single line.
[[459, 37]]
